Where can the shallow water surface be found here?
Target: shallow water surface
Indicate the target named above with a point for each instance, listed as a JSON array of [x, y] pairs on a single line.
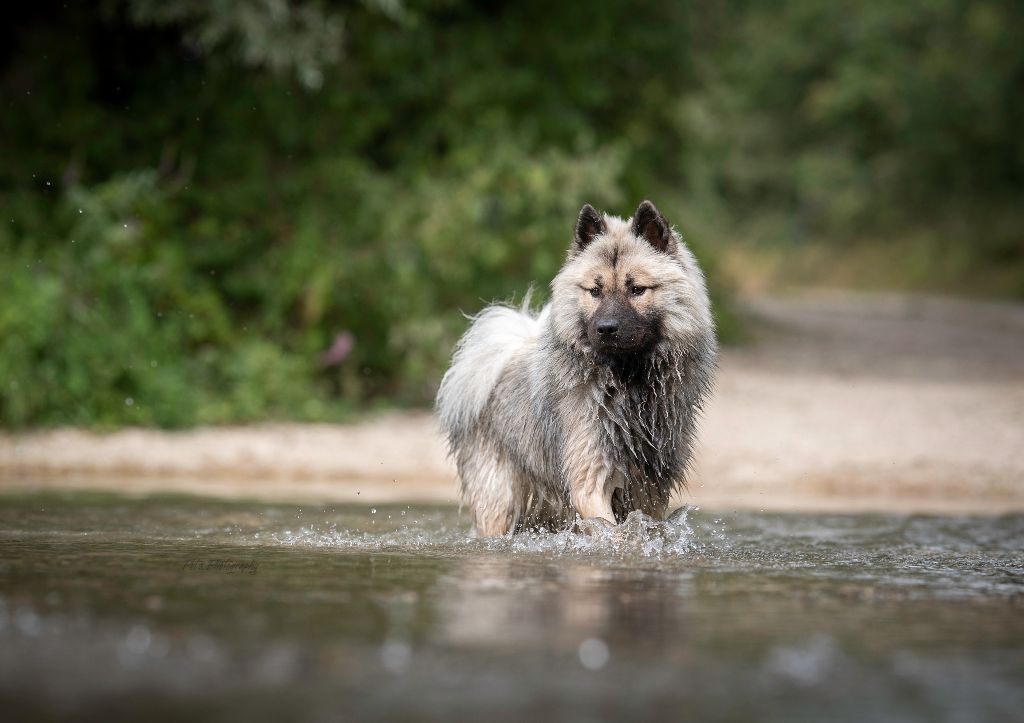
[[164, 608]]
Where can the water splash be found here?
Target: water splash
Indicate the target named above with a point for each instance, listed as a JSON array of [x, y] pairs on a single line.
[[639, 535]]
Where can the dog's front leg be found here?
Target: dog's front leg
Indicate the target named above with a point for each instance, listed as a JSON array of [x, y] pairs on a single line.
[[590, 475], [591, 497]]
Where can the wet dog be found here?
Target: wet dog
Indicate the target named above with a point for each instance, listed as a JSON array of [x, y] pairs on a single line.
[[589, 406]]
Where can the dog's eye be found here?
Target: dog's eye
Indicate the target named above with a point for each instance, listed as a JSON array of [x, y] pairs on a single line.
[[637, 290], [595, 292]]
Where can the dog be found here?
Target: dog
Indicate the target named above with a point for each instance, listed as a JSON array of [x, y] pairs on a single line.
[[587, 408]]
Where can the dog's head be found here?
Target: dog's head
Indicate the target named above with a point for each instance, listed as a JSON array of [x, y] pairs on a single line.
[[628, 285]]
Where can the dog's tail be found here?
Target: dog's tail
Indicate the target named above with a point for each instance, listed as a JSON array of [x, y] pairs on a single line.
[[480, 358]]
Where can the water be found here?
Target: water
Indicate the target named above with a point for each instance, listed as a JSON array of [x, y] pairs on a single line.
[[170, 608]]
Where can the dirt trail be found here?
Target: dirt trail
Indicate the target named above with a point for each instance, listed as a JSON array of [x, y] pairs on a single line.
[[842, 401]]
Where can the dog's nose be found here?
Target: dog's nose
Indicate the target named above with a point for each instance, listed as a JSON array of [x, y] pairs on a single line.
[[607, 327]]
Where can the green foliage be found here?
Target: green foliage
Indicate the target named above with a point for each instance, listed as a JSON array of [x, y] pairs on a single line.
[[200, 197], [268, 219], [274, 34], [112, 327], [865, 120]]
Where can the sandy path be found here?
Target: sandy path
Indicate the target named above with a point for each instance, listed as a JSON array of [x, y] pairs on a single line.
[[842, 401], [854, 402]]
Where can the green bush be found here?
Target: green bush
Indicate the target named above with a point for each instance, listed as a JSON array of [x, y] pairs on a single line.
[[864, 121]]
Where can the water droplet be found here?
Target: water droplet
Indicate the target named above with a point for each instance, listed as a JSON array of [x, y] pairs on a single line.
[[28, 622], [128, 401], [395, 655], [138, 639], [593, 653]]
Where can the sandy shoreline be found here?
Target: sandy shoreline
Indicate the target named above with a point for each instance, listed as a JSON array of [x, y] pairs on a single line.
[[842, 402]]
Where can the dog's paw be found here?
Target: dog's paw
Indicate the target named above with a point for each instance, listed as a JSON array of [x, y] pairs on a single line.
[[592, 526]]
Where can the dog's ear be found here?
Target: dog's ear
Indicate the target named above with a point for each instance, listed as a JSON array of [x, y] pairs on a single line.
[[589, 225], [651, 226]]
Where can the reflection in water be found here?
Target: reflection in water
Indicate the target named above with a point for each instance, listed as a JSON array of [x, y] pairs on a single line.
[[497, 603], [247, 611]]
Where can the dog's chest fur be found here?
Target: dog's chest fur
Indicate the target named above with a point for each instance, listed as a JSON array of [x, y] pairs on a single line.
[[642, 417]]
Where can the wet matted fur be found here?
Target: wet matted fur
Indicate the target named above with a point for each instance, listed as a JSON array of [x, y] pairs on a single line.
[[588, 407]]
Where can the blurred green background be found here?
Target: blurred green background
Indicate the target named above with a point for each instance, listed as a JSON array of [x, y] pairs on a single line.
[[201, 198]]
